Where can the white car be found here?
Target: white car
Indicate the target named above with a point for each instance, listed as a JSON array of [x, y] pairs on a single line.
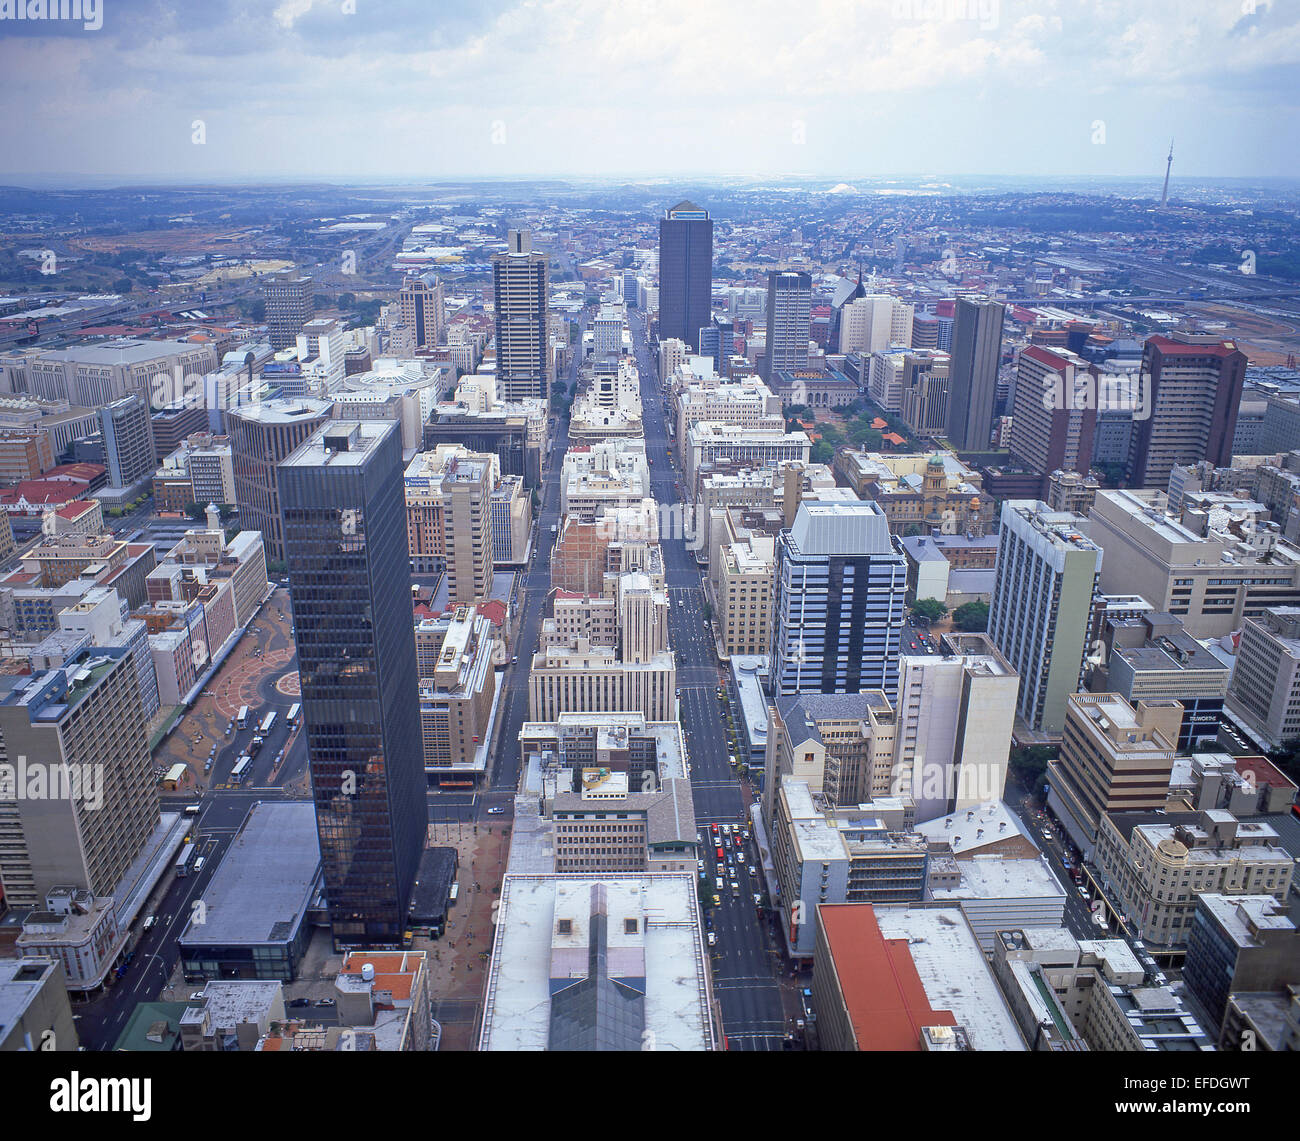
[[718, 883], [700, 864], [496, 810], [713, 938]]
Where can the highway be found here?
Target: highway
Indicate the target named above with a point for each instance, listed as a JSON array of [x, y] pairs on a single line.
[[746, 962]]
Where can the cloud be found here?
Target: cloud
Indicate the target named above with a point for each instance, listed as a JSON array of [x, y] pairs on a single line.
[[407, 86]]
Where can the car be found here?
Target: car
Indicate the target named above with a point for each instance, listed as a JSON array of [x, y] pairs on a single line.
[[150, 922], [1083, 891], [496, 810], [298, 1003], [719, 854], [717, 899], [753, 871], [196, 996], [718, 883], [713, 938], [735, 886], [514, 660], [758, 899], [192, 809], [198, 864], [324, 1002], [700, 864]]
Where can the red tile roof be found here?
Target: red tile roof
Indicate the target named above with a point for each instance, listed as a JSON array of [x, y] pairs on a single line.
[[1177, 348], [883, 994], [1045, 357]]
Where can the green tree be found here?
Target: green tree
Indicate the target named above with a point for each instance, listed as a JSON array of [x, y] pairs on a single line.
[[822, 452], [930, 609], [972, 618], [1028, 766], [123, 285]]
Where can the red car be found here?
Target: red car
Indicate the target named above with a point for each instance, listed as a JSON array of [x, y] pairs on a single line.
[[720, 853]]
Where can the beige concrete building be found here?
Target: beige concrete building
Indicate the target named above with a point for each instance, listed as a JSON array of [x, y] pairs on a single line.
[[1115, 757], [1213, 577], [82, 799], [1155, 867], [456, 655], [34, 1010], [919, 492], [581, 678], [1264, 693], [449, 522]]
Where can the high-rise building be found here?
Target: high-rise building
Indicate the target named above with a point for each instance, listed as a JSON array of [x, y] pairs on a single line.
[[344, 520], [421, 306], [128, 440], [467, 485], [972, 390], [1264, 693], [77, 733], [1193, 390], [261, 436], [789, 320], [290, 304], [1042, 600], [1054, 420], [685, 272], [1115, 757], [955, 715], [873, 322], [840, 585], [519, 279]]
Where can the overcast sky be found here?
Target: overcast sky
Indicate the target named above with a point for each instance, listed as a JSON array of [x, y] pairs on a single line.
[[448, 88]]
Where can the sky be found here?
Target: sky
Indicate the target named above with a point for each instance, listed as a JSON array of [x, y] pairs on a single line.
[[352, 90]]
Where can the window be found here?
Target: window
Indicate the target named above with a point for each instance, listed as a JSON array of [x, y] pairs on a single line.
[[564, 926], [629, 926]]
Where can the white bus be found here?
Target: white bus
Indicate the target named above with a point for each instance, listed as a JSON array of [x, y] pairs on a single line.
[[268, 722], [241, 767], [295, 715], [241, 721], [184, 860]]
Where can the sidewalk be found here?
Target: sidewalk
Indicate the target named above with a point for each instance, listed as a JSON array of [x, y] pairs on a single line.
[[458, 961]]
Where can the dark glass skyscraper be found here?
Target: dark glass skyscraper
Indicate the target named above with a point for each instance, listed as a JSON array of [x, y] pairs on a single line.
[[973, 373], [344, 519], [685, 272]]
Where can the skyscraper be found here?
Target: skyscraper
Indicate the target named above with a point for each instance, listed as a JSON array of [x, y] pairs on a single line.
[[972, 390], [261, 435], [344, 518], [1055, 412], [789, 320], [685, 272], [520, 290], [290, 304], [128, 440], [421, 305], [1042, 601], [1193, 387], [840, 586]]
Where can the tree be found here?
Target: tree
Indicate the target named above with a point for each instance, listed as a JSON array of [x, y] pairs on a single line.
[[822, 453], [276, 566], [931, 609], [1029, 766], [123, 285], [972, 618]]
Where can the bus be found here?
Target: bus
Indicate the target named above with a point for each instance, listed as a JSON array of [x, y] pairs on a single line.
[[295, 715], [268, 722], [242, 720], [184, 860], [241, 767]]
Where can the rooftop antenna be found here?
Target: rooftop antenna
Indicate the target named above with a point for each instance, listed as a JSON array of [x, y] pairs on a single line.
[[1164, 194]]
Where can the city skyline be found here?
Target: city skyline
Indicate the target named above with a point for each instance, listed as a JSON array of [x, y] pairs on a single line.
[[243, 91]]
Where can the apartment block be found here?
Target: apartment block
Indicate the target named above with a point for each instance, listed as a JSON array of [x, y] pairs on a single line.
[[1115, 757], [1264, 694], [455, 656], [1042, 602]]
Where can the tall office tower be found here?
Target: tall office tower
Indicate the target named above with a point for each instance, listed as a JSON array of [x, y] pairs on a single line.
[[789, 320], [290, 304], [467, 485], [955, 716], [607, 330], [1054, 420], [128, 440], [261, 436], [345, 539], [672, 355], [1042, 600], [1115, 757], [1193, 386], [519, 280], [92, 818], [972, 391], [874, 322], [421, 306], [840, 586], [685, 272], [717, 341]]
